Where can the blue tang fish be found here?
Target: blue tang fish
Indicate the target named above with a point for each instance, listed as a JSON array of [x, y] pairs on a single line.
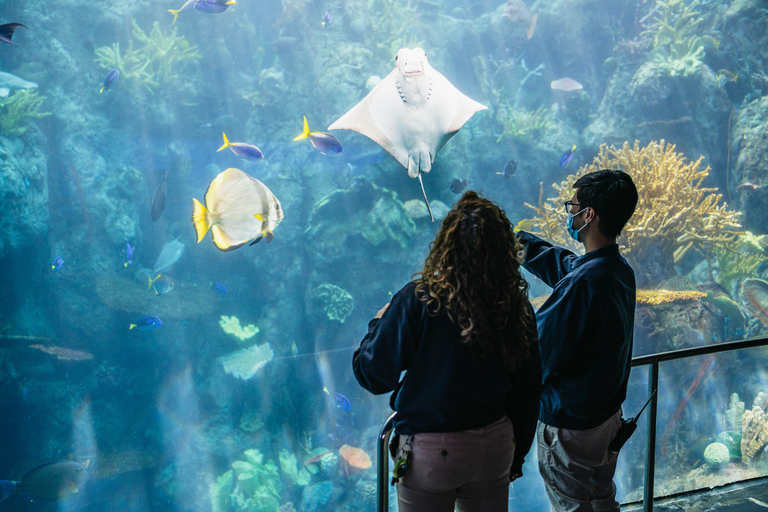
[[128, 255], [342, 402], [57, 263], [325, 142], [326, 19], [219, 288], [242, 149], [212, 7], [111, 77], [567, 157], [147, 323]]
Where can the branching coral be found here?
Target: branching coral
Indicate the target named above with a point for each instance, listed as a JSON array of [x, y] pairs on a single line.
[[682, 58], [678, 47], [157, 59], [17, 108], [523, 125], [674, 214]]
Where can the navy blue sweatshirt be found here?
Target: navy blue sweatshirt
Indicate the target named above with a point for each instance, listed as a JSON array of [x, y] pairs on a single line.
[[585, 332], [447, 386]]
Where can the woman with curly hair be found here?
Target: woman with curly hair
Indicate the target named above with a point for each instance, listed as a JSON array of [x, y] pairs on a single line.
[[464, 333]]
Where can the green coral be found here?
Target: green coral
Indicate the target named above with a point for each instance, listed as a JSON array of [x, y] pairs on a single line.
[[256, 486], [155, 60], [231, 325], [678, 45], [337, 302], [681, 58], [17, 108], [523, 125], [290, 467], [739, 261]]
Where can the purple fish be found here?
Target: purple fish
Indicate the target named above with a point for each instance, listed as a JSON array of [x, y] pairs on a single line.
[[147, 323], [242, 149], [323, 141], [57, 263], [212, 7], [326, 19], [111, 77], [7, 30], [220, 288], [567, 157], [128, 255]]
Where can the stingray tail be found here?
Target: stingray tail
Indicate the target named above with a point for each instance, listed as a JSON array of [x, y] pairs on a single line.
[[305, 133], [425, 198]]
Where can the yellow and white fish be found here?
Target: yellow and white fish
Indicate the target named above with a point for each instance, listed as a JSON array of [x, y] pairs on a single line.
[[238, 209]]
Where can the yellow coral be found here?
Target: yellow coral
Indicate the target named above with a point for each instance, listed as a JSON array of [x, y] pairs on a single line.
[[656, 297], [231, 325], [674, 214]]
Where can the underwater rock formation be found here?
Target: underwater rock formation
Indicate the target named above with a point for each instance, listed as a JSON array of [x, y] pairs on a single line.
[[244, 363], [716, 454], [754, 430], [748, 173]]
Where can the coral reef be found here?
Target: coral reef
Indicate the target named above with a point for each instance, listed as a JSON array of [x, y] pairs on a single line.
[[17, 108], [754, 299], [748, 150], [315, 496], [754, 430], [674, 214], [123, 294], [157, 59], [655, 297], [716, 454], [678, 47], [523, 126], [337, 302], [417, 209], [250, 486], [244, 363], [231, 325], [290, 468], [741, 261], [733, 414]]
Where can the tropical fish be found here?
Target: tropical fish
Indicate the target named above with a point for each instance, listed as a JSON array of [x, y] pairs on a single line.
[[162, 284], [509, 169], [213, 7], [238, 208], [325, 142], [242, 149], [128, 255], [342, 402], [57, 263], [146, 323], [567, 157], [52, 481], [111, 77], [724, 76], [64, 354], [9, 82], [458, 186], [158, 201], [565, 84], [189, 4], [170, 254], [326, 19], [523, 225], [411, 113], [7, 30], [294, 351], [517, 12], [219, 288]]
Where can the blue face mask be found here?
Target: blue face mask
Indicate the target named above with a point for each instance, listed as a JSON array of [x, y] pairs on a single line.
[[575, 232]]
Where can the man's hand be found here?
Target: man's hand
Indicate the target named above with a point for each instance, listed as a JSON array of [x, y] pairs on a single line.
[[382, 310]]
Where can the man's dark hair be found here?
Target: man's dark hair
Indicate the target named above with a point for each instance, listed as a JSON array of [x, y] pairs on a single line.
[[613, 196]]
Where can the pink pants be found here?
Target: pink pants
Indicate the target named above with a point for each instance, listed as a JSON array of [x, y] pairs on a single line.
[[468, 470]]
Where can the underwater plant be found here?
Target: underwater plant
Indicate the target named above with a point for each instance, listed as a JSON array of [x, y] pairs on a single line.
[[17, 108], [741, 261], [674, 215], [523, 125], [156, 60]]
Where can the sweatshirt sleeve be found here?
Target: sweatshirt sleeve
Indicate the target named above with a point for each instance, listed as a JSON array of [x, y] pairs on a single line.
[[389, 346], [523, 405], [544, 260]]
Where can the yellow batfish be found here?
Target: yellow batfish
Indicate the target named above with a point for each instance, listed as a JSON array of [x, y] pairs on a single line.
[[238, 208]]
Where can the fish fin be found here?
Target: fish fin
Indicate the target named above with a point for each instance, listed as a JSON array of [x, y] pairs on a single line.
[[305, 133], [259, 216], [132, 326], [256, 240], [200, 220], [101, 90], [175, 13], [226, 143], [325, 389], [270, 236], [573, 148]]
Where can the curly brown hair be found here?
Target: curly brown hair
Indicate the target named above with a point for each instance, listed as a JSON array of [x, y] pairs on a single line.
[[473, 273]]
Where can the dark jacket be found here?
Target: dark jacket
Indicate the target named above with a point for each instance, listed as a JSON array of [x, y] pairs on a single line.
[[447, 386], [585, 332]]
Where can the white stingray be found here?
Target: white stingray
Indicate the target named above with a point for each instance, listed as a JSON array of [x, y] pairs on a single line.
[[411, 113]]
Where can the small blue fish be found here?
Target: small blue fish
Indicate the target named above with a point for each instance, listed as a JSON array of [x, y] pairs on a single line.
[[219, 288], [111, 77], [509, 169], [128, 255], [212, 7], [567, 157], [458, 186], [342, 402], [57, 263], [147, 323], [326, 19], [242, 149], [325, 142]]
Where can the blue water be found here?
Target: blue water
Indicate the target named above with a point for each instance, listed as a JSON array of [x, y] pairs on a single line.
[[154, 414]]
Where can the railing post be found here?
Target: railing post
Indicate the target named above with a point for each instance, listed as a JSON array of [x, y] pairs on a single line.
[[382, 495], [650, 461]]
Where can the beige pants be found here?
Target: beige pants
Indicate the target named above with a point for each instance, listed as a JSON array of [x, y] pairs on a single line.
[[468, 470], [578, 468]]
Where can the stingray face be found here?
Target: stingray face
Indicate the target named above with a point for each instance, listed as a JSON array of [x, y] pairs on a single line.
[[411, 63]]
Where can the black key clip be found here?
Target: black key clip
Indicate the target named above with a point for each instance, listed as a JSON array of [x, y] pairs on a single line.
[[627, 428]]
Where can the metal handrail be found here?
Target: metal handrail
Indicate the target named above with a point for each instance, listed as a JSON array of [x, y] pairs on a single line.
[[651, 360]]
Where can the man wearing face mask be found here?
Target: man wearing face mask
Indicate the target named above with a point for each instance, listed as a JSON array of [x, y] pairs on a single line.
[[585, 337]]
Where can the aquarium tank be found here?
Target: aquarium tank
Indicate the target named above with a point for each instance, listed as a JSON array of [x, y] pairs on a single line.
[[151, 362]]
